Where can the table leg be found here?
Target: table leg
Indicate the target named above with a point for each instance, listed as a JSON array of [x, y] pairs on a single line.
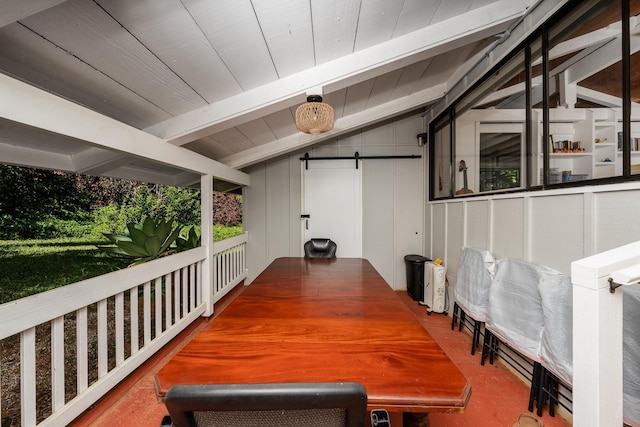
[[415, 419]]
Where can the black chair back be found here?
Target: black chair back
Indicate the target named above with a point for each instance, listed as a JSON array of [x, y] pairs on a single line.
[[320, 248], [283, 405]]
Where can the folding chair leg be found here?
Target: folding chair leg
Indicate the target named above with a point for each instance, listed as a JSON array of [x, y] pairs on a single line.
[[553, 395], [455, 315], [476, 337], [488, 337], [535, 393], [463, 318], [493, 349]]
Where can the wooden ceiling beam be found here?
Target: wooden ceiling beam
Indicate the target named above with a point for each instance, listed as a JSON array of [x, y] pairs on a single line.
[[343, 125], [33, 107], [340, 73]]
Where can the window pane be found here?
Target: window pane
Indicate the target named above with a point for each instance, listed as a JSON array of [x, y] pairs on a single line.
[[500, 159], [634, 9], [585, 94], [488, 151], [441, 173]]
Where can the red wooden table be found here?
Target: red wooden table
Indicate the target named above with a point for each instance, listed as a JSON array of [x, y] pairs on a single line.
[[308, 320]]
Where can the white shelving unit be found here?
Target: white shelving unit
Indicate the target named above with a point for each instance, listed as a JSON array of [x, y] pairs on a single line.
[[605, 149], [635, 154], [594, 130]]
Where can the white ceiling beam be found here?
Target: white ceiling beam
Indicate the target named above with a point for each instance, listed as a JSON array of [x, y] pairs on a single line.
[[593, 39], [22, 156], [598, 97], [342, 126], [340, 73], [95, 161], [603, 57], [33, 107], [498, 95], [15, 10], [157, 177]]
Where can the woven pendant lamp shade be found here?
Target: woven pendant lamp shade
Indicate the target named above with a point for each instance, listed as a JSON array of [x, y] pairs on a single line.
[[314, 116]]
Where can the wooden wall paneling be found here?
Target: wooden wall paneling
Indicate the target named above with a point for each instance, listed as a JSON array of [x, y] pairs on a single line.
[[378, 212], [477, 224], [617, 219], [508, 228], [456, 225], [558, 229], [408, 208], [254, 217], [438, 230], [455, 237], [295, 205]]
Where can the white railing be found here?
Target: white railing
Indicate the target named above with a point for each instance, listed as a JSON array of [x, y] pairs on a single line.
[[229, 266], [597, 337], [75, 343]]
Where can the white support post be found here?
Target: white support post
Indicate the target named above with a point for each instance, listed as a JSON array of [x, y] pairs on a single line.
[[568, 91], [206, 215], [597, 338]]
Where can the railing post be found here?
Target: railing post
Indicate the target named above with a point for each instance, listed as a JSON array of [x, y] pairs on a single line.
[[597, 337], [206, 215]]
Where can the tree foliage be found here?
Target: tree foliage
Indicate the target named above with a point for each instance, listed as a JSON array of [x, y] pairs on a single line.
[[37, 203], [29, 196]]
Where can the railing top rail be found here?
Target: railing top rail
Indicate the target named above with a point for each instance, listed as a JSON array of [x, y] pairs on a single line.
[[225, 244], [17, 316]]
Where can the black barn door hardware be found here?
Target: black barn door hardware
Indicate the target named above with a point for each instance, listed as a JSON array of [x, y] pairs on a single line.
[[357, 157]]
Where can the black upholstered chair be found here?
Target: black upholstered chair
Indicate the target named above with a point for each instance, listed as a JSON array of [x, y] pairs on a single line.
[[320, 248], [283, 405]]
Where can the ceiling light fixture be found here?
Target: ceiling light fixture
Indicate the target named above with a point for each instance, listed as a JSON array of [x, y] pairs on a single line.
[[314, 116]]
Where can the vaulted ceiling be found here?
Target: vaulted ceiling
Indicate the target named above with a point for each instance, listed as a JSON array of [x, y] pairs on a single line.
[[222, 78]]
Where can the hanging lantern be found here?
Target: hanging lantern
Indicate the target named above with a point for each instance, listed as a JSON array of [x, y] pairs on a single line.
[[314, 116]]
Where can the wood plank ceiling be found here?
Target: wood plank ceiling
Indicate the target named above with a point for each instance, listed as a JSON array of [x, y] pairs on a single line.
[[223, 78]]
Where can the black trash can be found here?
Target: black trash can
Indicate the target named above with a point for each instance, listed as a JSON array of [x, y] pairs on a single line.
[[415, 276]]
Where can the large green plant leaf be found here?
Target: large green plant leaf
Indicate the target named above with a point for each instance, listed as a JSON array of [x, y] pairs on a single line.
[[172, 237], [149, 226], [152, 245], [163, 230], [137, 235], [192, 240], [114, 238], [146, 241], [133, 249]]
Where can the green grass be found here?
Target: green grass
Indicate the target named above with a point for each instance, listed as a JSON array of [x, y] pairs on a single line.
[[28, 267]]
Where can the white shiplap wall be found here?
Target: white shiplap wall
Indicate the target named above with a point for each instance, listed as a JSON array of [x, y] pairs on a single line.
[[553, 228], [393, 200]]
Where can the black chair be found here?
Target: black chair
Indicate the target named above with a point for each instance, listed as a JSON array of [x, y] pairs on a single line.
[[320, 248], [285, 405]]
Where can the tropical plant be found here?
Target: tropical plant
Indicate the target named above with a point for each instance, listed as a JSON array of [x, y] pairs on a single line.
[[146, 241], [190, 241]]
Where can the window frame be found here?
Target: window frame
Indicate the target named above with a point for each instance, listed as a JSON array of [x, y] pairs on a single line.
[[539, 37]]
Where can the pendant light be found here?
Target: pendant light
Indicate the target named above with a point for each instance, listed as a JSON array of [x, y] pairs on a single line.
[[314, 116]]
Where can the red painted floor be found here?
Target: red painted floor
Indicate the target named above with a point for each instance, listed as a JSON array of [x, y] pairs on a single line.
[[497, 397]]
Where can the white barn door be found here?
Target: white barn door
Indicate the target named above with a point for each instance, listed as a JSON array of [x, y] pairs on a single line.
[[332, 204]]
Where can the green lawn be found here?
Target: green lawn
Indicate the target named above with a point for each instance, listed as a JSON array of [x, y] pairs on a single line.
[[28, 267]]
